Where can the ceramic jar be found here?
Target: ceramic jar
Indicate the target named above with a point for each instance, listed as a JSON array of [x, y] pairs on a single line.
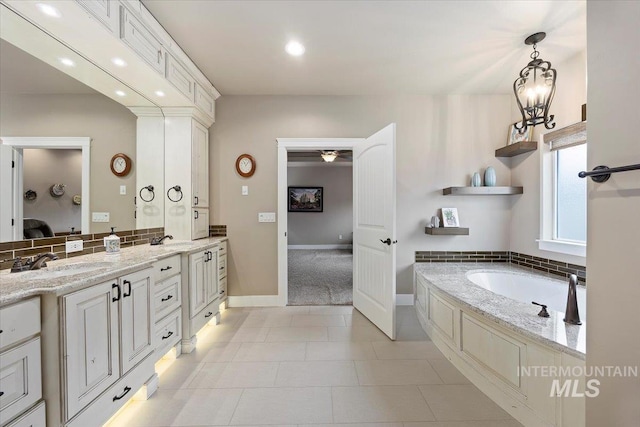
[[476, 181], [490, 177]]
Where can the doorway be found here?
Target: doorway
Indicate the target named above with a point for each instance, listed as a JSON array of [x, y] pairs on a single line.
[[320, 225]]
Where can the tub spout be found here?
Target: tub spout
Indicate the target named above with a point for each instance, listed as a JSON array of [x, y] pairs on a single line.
[[571, 314]]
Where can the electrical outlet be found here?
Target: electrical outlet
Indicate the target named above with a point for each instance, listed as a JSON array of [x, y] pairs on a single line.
[[74, 246], [267, 217], [123, 190], [100, 217]]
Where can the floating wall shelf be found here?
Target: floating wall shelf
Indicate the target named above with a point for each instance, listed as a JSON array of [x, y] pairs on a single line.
[[482, 191], [517, 149], [447, 231]]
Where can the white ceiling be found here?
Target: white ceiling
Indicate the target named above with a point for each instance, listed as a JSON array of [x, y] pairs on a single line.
[[369, 47], [22, 73]]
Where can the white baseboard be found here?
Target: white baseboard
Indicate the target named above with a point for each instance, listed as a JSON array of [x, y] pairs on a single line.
[[404, 299], [319, 247], [254, 301]]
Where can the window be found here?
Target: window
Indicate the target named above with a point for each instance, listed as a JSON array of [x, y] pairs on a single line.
[[563, 225]]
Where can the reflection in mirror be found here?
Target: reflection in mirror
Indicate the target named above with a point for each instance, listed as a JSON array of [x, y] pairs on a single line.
[[39, 98]]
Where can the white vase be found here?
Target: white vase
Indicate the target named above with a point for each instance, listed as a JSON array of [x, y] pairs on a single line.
[[490, 177], [476, 181]]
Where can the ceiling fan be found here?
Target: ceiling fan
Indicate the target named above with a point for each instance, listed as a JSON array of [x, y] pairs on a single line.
[[328, 156]]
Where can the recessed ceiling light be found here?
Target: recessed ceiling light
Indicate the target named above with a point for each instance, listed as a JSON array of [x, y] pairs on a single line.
[[294, 48], [67, 62], [120, 93], [159, 93], [119, 62], [49, 10]]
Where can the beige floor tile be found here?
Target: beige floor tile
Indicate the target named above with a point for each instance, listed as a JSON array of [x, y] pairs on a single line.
[[379, 404], [345, 350], [356, 333], [331, 309], [396, 372], [208, 375], [179, 375], [492, 423], [270, 352], [316, 373], [318, 320], [247, 374], [290, 309], [297, 334], [266, 320], [354, 425], [461, 402], [211, 352], [205, 407], [357, 319], [447, 372], [284, 406], [250, 335], [232, 316], [407, 350]]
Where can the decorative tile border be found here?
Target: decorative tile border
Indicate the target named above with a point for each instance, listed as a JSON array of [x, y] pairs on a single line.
[[544, 265], [217, 231], [92, 243]]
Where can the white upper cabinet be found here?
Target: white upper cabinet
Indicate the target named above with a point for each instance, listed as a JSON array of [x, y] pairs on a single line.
[[106, 12], [180, 77], [140, 39], [204, 101], [200, 165]]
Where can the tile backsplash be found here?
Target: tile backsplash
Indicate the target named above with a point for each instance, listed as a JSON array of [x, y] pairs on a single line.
[[217, 231], [544, 265], [91, 242]]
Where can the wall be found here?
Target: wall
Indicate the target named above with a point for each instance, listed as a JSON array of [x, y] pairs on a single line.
[[112, 128], [613, 292], [43, 168], [323, 228], [441, 141], [571, 93]]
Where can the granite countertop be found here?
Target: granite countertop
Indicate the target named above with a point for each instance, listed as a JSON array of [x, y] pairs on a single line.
[[519, 317], [16, 286]]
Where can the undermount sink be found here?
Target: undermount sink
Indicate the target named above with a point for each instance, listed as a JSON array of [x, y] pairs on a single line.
[[66, 270], [176, 245]]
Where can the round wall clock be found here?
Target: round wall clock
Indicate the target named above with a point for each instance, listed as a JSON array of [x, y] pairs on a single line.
[[120, 164], [245, 165]]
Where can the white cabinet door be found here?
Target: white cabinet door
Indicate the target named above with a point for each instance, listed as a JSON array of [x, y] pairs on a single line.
[[137, 321], [197, 282], [180, 77], [20, 379], [212, 275], [90, 335], [200, 223], [136, 35], [200, 165], [105, 11]]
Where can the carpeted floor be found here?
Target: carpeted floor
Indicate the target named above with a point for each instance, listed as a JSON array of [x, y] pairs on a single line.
[[320, 277]]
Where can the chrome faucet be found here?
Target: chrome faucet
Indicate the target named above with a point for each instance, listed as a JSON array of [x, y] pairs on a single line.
[[571, 314], [35, 264], [160, 240]]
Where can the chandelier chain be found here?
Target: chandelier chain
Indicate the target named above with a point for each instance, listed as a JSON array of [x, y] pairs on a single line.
[[535, 53]]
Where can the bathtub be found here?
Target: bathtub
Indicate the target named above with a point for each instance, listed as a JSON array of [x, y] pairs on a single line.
[[527, 288]]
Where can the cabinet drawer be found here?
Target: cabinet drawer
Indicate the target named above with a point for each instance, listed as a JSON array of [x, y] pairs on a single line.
[[138, 38], [36, 417], [103, 408], [223, 249], [20, 379], [442, 315], [204, 101], [19, 321], [222, 267], [168, 332], [165, 268], [222, 289], [499, 353], [167, 297], [204, 316], [105, 11], [180, 77]]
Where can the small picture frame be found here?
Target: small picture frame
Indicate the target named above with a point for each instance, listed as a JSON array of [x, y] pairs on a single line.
[[306, 199], [450, 217], [515, 136]]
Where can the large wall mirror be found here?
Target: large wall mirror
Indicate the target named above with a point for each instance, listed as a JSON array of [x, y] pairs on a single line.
[[62, 120]]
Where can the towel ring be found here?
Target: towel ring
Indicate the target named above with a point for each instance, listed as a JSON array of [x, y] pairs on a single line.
[[178, 190], [149, 188]]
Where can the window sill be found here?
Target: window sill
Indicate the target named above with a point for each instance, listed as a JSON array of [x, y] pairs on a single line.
[[568, 248]]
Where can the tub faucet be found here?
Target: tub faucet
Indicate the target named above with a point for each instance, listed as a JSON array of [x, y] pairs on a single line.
[[160, 240], [571, 314]]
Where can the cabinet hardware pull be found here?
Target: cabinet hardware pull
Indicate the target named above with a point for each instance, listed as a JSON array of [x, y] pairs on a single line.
[[221, 268], [168, 335], [196, 201], [1, 331], [117, 288], [209, 314], [221, 292], [126, 390], [167, 298], [196, 214], [1, 393], [124, 284], [166, 269]]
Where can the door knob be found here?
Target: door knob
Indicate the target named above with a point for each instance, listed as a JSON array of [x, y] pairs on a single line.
[[388, 241]]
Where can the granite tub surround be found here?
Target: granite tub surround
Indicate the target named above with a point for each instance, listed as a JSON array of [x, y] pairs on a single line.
[[450, 278], [61, 277]]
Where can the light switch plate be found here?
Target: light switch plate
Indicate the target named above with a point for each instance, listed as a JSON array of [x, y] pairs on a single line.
[[123, 190], [245, 190], [267, 217], [100, 217], [74, 246]]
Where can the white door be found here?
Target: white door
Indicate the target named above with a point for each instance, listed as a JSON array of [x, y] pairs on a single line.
[[136, 318], [374, 229]]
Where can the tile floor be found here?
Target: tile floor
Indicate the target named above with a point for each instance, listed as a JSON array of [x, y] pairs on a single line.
[[320, 365]]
